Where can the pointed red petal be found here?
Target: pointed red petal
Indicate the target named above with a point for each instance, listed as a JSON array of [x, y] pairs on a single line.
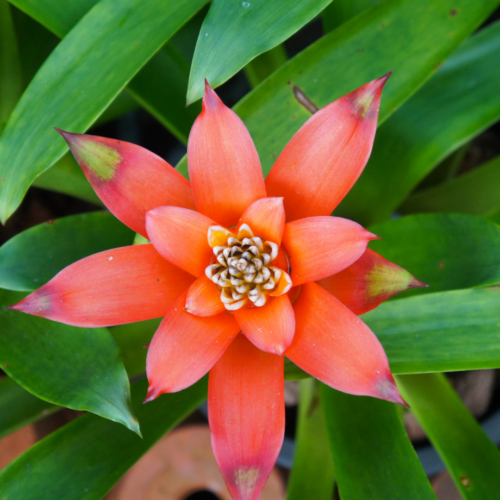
[[203, 298], [326, 156], [271, 327], [368, 282], [181, 236], [114, 287], [130, 180], [246, 412], [224, 166], [322, 246], [266, 218], [185, 347], [335, 346]]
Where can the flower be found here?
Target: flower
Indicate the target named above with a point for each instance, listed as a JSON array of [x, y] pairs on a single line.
[[243, 270]]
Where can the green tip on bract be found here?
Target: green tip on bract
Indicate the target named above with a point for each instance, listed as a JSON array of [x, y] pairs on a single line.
[[368, 93], [93, 154]]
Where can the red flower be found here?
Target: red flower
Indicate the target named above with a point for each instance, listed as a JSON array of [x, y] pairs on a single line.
[[233, 267]]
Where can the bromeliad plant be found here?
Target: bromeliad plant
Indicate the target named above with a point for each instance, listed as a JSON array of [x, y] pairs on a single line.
[[244, 271]]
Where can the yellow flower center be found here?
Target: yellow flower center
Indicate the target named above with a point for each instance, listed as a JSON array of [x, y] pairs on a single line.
[[242, 269]]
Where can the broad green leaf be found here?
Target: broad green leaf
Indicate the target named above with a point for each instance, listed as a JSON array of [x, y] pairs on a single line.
[[35, 44], [19, 408], [476, 192], [76, 84], [123, 103], [448, 331], [66, 176], [11, 84], [258, 69], [471, 458], [446, 251], [312, 474], [132, 340], [50, 14], [160, 87], [340, 11], [377, 41], [33, 257], [372, 454], [234, 33], [79, 368], [459, 102], [99, 452]]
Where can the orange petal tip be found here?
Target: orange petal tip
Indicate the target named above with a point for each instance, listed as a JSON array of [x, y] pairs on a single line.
[[152, 395], [418, 284], [210, 98], [67, 136], [388, 390]]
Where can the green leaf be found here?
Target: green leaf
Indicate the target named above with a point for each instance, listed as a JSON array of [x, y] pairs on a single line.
[[49, 12], [475, 192], [471, 458], [76, 84], [123, 103], [234, 33], [340, 11], [132, 339], [19, 408], [312, 474], [372, 455], [99, 451], [35, 44], [258, 69], [79, 368], [448, 331], [447, 252], [11, 84], [377, 41], [160, 87], [459, 102], [36, 255], [66, 176]]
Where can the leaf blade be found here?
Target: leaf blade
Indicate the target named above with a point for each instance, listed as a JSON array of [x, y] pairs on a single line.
[[55, 97], [100, 451], [367, 47], [455, 434], [437, 120], [234, 33], [312, 474], [33, 257], [19, 408], [373, 457], [51, 360], [448, 331]]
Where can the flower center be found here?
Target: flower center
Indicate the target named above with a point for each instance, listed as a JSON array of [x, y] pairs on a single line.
[[243, 268]]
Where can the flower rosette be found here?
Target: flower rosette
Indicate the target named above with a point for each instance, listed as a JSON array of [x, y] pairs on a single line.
[[244, 271]]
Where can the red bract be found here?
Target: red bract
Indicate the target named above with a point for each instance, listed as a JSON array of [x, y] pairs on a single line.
[[235, 280]]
